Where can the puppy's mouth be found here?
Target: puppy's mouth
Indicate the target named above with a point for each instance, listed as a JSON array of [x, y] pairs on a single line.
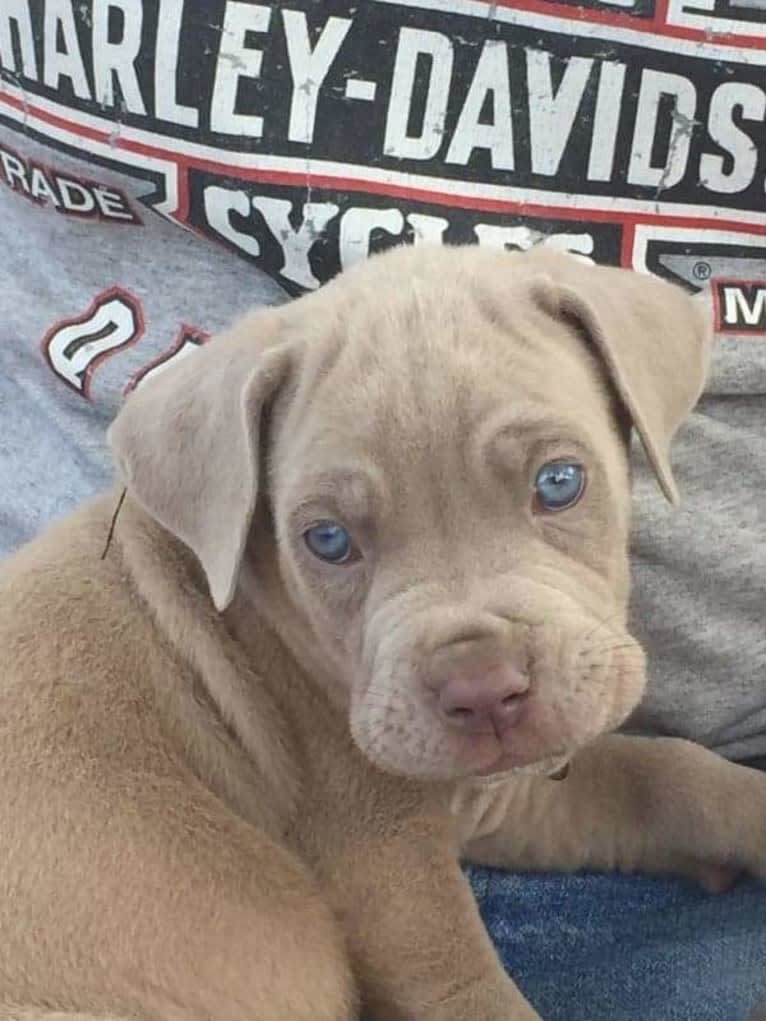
[[519, 754], [555, 767]]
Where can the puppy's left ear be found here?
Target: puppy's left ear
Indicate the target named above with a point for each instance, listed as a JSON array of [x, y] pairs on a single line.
[[187, 444], [654, 339]]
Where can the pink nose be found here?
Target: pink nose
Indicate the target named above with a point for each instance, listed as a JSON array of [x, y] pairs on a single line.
[[490, 702]]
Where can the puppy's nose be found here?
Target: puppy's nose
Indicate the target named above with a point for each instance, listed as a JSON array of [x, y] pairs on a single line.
[[490, 702]]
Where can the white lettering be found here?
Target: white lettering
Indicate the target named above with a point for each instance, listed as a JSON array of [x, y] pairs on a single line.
[[176, 355], [75, 198], [296, 244], [309, 68], [737, 310], [552, 117], [606, 121], [579, 245], [523, 238], [14, 171], [235, 61], [117, 59], [494, 236], [17, 11], [66, 63], [166, 105], [654, 85], [414, 43], [751, 102], [74, 348], [427, 229], [220, 203], [40, 189], [492, 78], [357, 227], [111, 204]]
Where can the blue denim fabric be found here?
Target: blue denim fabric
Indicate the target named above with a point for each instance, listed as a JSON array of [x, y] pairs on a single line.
[[628, 948]]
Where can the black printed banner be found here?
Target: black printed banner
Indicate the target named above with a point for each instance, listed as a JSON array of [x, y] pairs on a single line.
[[305, 135]]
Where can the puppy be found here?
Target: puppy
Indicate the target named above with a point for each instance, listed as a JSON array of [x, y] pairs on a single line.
[[365, 595]]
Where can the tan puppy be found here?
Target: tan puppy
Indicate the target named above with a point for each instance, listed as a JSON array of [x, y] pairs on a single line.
[[367, 589]]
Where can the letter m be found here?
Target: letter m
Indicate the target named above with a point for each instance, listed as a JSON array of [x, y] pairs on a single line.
[[742, 306]]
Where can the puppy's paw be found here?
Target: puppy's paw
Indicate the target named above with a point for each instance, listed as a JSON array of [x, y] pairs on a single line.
[[725, 836], [751, 836], [712, 878]]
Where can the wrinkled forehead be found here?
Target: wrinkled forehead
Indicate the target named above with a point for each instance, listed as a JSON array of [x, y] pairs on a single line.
[[422, 377]]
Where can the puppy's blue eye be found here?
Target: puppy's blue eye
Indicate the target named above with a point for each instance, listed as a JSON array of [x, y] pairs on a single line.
[[329, 541], [559, 484]]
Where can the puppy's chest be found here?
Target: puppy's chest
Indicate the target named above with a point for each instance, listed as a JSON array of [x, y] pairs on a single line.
[[480, 806]]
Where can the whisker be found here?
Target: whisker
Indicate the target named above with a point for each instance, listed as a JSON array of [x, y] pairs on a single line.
[[617, 647], [609, 647], [600, 624]]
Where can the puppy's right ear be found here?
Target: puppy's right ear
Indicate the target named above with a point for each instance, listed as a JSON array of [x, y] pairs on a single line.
[[187, 444], [653, 338]]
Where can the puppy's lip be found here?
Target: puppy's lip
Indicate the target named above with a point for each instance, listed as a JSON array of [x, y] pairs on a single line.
[[555, 767], [485, 755], [497, 768], [505, 762]]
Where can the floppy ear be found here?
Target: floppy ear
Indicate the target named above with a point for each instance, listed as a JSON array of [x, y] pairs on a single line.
[[187, 444], [655, 341]]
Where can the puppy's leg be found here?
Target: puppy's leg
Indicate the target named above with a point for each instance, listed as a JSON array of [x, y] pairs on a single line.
[[419, 948], [633, 804]]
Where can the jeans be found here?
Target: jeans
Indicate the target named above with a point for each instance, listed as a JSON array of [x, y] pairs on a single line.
[[622, 948]]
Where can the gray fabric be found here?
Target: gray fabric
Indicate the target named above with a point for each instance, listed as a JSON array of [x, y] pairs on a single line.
[[52, 449], [700, 571], [699, 591]]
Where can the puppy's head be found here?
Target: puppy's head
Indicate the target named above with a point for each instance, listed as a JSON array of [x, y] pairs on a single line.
[[431, 454]]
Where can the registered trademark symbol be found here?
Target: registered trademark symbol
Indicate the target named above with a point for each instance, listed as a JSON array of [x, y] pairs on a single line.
[[702, 270]]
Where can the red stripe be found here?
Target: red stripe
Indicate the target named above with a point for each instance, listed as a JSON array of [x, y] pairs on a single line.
[[660, 19], [657, 25], [484, 204], [626, 246], [53, 119], [328, 181]]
